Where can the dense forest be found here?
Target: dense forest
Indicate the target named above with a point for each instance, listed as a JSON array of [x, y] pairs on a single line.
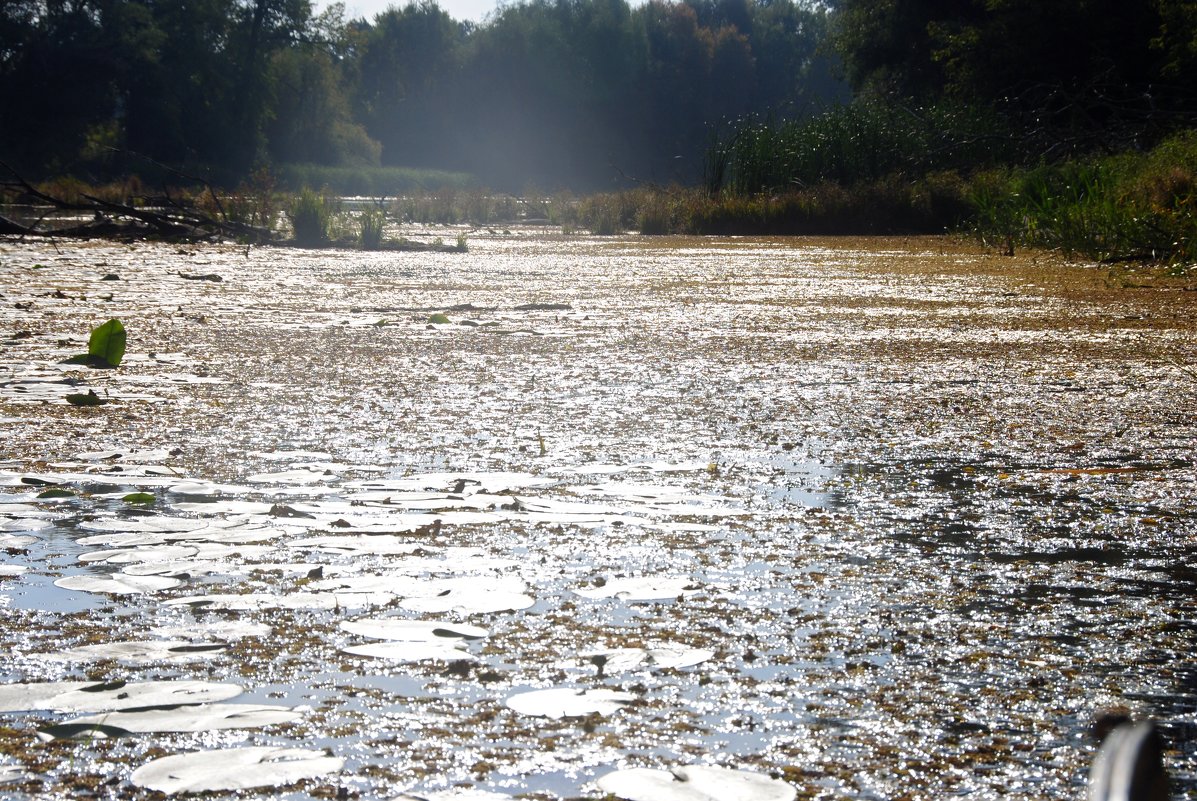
[[550, 93]]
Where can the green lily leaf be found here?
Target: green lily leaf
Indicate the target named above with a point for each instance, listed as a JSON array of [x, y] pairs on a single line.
[[55, 493], [88, 399], [107, 342], [139, 498]]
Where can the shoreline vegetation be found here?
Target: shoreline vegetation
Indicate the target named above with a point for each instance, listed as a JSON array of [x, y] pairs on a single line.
[[763, 180], [1025, 124]]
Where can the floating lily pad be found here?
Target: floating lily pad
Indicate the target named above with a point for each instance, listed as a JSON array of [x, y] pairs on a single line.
[[456, 794], [234, 769], [206, 717], [52, 494], [294, 600], [86, 696], [8, 571], [649, 588], [118, 585], [412, 651], [11, 773], [662, 657], [468, 595], [141, 652], [139, 499], [694, 783], [89, 398], [565, 702], [413, 630], [15, 542]]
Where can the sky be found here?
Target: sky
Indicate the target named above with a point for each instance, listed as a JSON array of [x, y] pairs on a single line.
[[474, 10]]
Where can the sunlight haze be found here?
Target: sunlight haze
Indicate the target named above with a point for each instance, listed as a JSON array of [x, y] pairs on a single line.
[[473, 10]]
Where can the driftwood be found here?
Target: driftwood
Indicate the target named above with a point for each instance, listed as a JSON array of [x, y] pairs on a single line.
[[173, 222]]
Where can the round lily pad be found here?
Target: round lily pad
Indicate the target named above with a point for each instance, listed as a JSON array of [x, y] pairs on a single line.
[[695, 783], [234, 769], [566, 702], [86, 696], [207, 717], [117, 585]]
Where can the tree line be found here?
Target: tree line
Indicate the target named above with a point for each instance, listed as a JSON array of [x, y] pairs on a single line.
[[582, 94]]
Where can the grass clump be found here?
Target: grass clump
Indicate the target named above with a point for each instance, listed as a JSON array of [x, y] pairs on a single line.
[[371, 223], [312, 216]]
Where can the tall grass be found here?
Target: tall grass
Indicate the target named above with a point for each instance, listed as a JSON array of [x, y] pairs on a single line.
[[312, 216], [371, 222], [859, 143], [1120, 208]]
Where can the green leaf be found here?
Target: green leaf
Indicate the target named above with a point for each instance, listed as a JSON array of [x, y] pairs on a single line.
[[107, 342], [88, 399], [439, 319], [139, 498], [55, 493]]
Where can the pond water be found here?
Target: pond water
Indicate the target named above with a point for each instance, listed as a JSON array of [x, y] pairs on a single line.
[[883, 519]]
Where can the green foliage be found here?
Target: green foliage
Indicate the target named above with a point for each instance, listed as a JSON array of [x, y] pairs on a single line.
[[1128, 207], [89, 398], [106, 345], [139, 499], [312, 218], [371, 222], [861, 142]]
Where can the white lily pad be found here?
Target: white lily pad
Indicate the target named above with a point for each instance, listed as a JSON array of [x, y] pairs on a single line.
[[118, 585], [648, 588], [86, 696], [8, 571], [413, 630], [23, 524], [16, 542], [293, 600], [695, 783], [234, 769], [11, 773], [206, 717], [174, 567], [468, 595], [619, 660], [412, 651], [362, 544], [145, 553], [566, 702], [141, 652], [293, 477], [456, 794]]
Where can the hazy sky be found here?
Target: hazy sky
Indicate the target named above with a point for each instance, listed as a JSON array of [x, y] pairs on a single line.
[[458, 9]]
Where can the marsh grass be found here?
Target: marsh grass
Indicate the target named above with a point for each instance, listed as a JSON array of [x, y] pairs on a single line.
[[1130, 207], [371, 223], [312, 216], [855, 144]]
